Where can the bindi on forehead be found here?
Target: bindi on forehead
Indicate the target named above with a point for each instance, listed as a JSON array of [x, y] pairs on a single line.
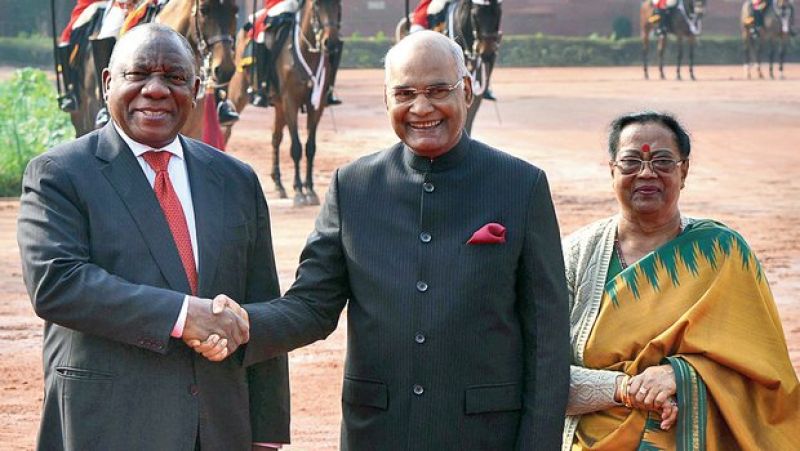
[[645, 148]]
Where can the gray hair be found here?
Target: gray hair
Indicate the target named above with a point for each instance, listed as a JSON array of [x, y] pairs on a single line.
[[455, 50], [152, 29]]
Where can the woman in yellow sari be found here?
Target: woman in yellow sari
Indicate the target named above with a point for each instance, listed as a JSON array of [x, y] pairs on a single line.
[[676, 339]]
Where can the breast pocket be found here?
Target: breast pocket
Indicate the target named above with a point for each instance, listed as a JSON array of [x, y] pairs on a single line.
[[483, 266]]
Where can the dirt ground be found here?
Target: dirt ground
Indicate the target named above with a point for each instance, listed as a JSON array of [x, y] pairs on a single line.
[[744, 172]]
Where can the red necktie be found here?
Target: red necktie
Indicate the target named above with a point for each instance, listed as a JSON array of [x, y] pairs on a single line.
[[173, 212]]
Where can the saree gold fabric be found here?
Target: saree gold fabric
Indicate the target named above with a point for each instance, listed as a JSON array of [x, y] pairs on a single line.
[[704, 298]]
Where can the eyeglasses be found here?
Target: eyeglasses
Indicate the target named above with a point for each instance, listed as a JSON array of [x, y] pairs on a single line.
[[171, 78], [630, 166], [433, 93]]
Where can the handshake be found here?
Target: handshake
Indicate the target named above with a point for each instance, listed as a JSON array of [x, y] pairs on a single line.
[[215, 328]]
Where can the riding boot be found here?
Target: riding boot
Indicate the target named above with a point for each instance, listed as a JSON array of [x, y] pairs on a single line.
[[259, 94], [331, 98], [226, 110], [787, 15], [68, 99], [661, 26], [336, 58], [101, 52]]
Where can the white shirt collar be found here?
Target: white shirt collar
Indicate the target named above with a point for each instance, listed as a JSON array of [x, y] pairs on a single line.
[[138, 149]]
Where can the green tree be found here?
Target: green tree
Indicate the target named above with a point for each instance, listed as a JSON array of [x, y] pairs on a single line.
[[30, 123]]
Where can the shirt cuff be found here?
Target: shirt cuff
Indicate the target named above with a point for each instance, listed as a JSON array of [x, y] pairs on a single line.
[[274, 445], [177, 331]]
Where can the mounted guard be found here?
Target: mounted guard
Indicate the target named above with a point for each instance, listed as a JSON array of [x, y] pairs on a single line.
[[97, 24], [681, 18], [429, 15], [784, 10], [663, 11], [84, 20], [438, 15], [766, 25], [268, 29]]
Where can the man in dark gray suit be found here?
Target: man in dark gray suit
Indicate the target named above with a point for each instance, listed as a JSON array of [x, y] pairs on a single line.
[[124, 234], [447, 254]]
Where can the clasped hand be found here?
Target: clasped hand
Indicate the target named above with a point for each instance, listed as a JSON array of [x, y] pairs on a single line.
[[215, 328], [654, 390]]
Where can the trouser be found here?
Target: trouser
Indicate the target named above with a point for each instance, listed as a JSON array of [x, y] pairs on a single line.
[[336, 58], [67, 87]]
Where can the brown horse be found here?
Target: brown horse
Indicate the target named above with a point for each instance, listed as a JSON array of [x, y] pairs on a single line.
[[685, 22], [778, 15], [207, 24], [304, 74], [476, 28]]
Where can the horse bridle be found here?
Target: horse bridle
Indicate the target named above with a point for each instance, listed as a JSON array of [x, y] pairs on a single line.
[[204, 45], [318, 27]]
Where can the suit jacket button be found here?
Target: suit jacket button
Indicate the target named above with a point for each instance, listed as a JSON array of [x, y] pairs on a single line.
[[419, 338], [194, 389], [418, 390], [425, 237], [422, 286], [428, 187]]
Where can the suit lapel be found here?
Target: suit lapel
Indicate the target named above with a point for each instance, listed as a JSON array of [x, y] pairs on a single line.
[[208, 192], [125, 175]]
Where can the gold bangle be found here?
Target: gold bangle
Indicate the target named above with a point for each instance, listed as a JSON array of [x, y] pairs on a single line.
[[626, 397], [621, 388]]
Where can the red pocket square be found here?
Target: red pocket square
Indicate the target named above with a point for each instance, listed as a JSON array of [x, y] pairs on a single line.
[[491, 233]]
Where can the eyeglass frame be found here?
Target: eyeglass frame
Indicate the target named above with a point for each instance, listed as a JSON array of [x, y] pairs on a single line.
[[424, 91], [172, 78], [648, 163]]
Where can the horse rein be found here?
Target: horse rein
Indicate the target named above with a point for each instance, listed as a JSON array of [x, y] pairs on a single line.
[[317, 29], [204, 45]]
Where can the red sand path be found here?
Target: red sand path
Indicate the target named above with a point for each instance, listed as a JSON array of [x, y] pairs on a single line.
[[745, 172]]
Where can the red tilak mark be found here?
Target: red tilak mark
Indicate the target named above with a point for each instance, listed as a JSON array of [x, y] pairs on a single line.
[[645, 148]]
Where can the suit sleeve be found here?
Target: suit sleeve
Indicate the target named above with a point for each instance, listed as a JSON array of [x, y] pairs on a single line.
[[543, 306], [64, 284], [310, 309], [268, 381]]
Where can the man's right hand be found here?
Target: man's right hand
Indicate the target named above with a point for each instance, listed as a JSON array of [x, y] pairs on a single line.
[[222, 323]]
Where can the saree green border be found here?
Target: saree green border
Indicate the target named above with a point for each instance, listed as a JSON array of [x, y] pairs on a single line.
[[704, 239], [692, 404]]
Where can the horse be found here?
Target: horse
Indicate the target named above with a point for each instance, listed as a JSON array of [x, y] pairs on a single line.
[[304, 76], [208, 25], [476, 28], [775, 32], [684, 22]]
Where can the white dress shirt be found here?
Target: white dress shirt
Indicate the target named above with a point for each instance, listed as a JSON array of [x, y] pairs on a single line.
[[179, 177]]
